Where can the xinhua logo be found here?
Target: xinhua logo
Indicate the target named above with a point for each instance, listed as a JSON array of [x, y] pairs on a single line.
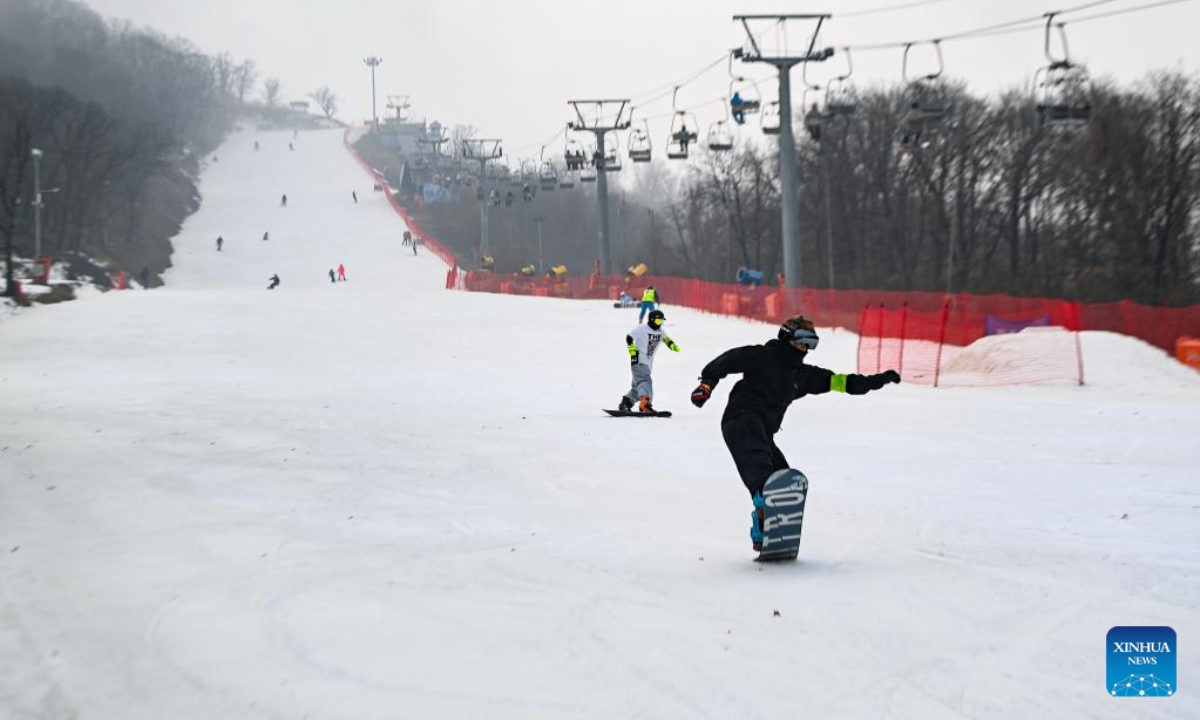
[[1141, 661]]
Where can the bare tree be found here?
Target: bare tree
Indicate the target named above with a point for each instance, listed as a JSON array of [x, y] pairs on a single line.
[[245, 76], [271, 91], [327, 100]]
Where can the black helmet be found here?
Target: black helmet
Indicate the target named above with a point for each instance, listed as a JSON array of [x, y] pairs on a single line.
[[655, 319]]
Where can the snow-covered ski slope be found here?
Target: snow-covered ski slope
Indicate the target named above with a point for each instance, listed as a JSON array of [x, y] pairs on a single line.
[[382, 499]]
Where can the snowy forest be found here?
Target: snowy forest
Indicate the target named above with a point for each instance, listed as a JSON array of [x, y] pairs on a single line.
[[122, 115]]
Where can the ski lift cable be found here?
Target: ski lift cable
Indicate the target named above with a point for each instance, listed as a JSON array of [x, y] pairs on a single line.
[[690, 108], [544, 143], [664, 90], [889, 8], [1123, 11], [1030, 24], [1022, 24]]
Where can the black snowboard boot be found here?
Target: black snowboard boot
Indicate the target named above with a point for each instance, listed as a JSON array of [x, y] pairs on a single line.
[[626, 405]]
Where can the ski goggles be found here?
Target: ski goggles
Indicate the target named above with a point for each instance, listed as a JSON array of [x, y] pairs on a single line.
[[804, 337]]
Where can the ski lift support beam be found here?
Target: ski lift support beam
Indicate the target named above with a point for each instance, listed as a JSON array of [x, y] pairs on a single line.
[[482, 151], [787, 139], [601, 126]]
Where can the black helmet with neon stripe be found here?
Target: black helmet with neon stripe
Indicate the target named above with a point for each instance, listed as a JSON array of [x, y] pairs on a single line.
[[655, 319]]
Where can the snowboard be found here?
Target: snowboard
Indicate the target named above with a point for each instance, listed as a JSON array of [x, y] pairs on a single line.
[[635, 413], [784, 495]]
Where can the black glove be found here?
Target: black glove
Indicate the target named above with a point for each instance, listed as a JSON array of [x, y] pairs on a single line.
[[701, 394], [890, 376]]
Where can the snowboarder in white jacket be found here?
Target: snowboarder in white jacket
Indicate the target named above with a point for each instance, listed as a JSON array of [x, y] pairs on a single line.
[[643, 342]]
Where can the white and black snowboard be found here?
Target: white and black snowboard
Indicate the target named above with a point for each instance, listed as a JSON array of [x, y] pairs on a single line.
[[638, 413], [784, 496]]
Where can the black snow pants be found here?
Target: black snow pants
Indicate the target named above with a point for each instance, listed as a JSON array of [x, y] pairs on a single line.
[[753, 449]]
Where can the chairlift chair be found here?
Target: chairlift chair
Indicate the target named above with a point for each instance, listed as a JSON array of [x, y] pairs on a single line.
[[927, 99], [744, 96], [549, 177], [840, 98], [566, 181], [770, 118], [575, 155], [683, 134], [1063, 97], [684, 127], [1062, 93], [639, 144], [587, 175], [612, 155], [720, 136]]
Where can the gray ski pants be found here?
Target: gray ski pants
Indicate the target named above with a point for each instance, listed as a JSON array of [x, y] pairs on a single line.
[[642, 385]]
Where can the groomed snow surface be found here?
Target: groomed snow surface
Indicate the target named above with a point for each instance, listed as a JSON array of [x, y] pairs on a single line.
[[382, 499]]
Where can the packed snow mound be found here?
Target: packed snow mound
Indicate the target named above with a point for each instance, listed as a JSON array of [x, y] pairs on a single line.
[[1036, 354], [1120, 362]]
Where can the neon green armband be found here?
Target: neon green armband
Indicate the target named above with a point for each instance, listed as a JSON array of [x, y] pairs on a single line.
[[837, 383]]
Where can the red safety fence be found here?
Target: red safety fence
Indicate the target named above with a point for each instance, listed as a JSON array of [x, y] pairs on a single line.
[[936, 319], [444, 254], [964, 347]]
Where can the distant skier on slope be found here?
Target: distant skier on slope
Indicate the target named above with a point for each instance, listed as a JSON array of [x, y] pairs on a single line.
[[773, 375], [643, 342], [354, 194], [274, 282], [649, 301], [220, 242], [332, 277], [341, 272], [283, 202], [267, 235]]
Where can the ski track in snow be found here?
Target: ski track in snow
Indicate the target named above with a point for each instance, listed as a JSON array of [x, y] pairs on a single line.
[[381, 499]]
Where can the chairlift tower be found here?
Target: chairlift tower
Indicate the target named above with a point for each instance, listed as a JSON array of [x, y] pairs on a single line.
[[482, 151], [752, 53], [599, 126], [400, 106]]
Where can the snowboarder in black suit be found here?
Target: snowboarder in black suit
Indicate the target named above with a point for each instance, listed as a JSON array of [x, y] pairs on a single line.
[[773, 375], [274, 282], [220, 242]]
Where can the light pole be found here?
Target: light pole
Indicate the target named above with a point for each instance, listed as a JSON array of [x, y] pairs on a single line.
[[37, 202], [373, 62]]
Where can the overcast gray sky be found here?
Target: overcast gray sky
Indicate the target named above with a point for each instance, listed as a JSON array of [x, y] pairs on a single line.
[[508, 67]]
